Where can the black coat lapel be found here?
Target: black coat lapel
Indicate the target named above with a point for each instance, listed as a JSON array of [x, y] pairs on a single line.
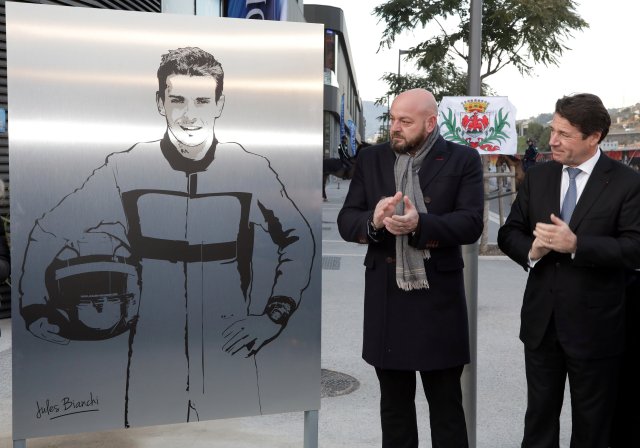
[[555, 184], [596, 184], [434, 162], [387, 163]]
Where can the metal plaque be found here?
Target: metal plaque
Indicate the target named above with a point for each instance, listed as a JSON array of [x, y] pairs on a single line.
[[165, 217]]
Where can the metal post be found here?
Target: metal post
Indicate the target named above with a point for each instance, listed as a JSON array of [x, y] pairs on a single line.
[[388, 121], [470, 373], [310, 429], [20, 443], [470, 252], [474, 86], [500, 180]]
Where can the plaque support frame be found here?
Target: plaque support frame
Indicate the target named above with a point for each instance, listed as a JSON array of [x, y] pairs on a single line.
[[310, 429]]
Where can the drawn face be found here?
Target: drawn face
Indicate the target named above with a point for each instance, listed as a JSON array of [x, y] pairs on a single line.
[[410, 124], [190, 108], [568, 145]]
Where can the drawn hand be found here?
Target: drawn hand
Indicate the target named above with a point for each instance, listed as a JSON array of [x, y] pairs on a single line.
[[403, 224], [251, 334], [42, 329], [385, 207]]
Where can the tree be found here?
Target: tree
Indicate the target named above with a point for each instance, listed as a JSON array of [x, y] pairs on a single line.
[[442, 81], [521, 33], [545, 136], [533, 131]]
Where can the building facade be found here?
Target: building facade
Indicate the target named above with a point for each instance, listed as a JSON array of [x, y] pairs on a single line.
[[343, 111]]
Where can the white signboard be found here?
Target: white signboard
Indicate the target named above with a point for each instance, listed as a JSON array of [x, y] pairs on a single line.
[[487, 123]]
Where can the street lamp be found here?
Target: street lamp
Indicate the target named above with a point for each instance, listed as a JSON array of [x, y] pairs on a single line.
[[388, 121], [400, 53]]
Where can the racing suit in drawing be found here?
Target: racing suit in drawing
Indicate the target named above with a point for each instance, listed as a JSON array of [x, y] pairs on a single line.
[[212, 241]]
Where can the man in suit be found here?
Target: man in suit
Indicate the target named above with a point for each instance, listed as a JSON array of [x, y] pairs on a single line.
[[415, 200], [575, 225]]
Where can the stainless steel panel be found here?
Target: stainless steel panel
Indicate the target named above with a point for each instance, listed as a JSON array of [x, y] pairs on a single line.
[[151, 288]]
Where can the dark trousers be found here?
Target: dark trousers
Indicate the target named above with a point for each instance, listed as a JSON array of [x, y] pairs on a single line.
[[626, 419], [593, 386], [398, 410]]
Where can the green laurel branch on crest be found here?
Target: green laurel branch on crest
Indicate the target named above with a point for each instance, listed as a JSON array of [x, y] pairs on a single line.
[[452, 130], [497, 133]]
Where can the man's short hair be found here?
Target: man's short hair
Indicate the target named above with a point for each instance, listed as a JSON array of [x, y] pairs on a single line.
[[586, 112], [191, 61]]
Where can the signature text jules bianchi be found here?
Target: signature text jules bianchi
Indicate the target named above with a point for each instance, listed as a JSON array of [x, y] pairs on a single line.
[[66, 406]]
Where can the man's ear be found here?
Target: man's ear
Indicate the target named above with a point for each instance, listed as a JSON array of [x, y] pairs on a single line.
[[432, 121], [160, 104], [593, 139], [219, 106]]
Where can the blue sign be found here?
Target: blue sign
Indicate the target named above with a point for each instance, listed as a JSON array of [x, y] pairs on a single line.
[[342, 132], [261, 10], [352, 130], [3, 120]]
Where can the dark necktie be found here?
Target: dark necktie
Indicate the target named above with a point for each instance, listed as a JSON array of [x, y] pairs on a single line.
[[570, 198]]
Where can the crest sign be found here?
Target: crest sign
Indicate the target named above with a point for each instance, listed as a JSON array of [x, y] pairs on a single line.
[[484, 123]]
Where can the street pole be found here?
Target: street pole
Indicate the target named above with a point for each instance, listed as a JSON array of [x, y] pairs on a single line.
[[470, 252], [388, 121], [400, 53]]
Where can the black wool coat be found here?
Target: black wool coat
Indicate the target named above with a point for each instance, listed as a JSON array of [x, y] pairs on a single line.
[[584, 293], [423, 329]]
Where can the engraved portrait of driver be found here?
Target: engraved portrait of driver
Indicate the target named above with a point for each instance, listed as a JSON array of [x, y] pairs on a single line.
[[190, 246]]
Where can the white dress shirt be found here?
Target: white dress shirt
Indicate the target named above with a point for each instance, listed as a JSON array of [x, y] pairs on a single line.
[[586, 169], [581, 179]]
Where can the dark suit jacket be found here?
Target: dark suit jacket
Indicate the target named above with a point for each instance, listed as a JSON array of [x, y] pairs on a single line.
[[423, 329], [584, 294]]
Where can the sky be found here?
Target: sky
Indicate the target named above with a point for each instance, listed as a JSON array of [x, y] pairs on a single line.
[[602, 59]]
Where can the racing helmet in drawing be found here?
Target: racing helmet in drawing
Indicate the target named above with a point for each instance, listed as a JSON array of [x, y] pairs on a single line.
[[93, 287]]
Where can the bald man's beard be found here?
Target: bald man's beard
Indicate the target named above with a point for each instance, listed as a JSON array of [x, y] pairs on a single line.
[[401, 145]]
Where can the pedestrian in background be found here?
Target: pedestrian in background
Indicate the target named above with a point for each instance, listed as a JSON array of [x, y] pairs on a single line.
[[530, 155]]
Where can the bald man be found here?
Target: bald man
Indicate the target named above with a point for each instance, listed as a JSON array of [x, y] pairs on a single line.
[[414, 201]]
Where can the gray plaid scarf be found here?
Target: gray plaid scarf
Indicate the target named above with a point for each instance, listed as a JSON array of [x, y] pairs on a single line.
[[410, 272]]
